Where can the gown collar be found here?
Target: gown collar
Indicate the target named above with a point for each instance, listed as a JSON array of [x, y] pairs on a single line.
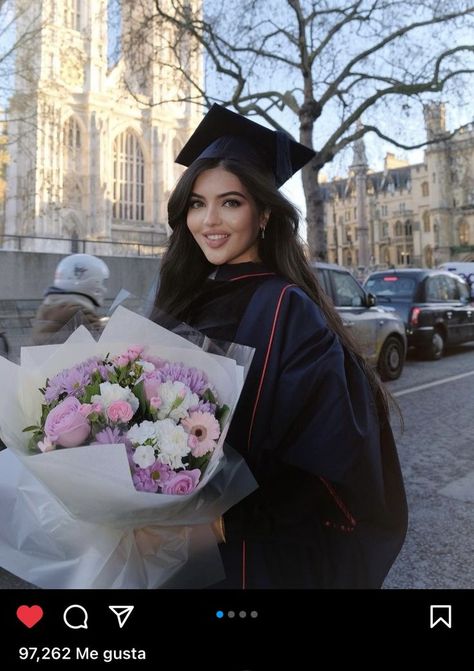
[[231, 272]]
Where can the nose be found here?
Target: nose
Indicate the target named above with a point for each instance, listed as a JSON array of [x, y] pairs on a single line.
[[211, 215]]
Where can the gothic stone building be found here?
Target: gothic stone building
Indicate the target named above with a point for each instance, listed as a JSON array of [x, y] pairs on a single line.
[[416, 214], [91, 147]]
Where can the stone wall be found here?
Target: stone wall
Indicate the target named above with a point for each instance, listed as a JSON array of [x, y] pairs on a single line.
[[24, 276]]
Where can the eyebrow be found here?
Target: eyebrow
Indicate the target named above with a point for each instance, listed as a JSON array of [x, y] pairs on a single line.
[[221, 195]]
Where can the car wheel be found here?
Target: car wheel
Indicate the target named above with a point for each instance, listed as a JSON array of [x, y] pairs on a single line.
[[436, 347], [391, 359]]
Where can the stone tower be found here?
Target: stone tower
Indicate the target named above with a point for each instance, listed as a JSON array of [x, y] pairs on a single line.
[[93, 152], [437, 160], [360, 167]]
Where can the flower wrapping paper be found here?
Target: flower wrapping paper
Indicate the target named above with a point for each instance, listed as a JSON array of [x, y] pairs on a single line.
[[71, 518]]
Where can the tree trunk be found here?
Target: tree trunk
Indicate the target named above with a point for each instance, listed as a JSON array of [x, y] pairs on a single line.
[[316, 236]]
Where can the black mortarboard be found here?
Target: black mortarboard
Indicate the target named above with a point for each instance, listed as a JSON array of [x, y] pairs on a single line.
[[225, 134]]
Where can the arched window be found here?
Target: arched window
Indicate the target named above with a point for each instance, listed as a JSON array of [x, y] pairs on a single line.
[[426, 222], [398, 229], [463, 233], [72, 14], [408, 227], [425, 189], [129, 178], [72, 146]]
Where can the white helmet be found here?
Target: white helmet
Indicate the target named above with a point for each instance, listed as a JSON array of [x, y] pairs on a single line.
[[83, 274]]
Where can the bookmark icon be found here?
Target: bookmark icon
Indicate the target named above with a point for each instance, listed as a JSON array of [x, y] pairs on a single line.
[[440, 615], [122, 613]]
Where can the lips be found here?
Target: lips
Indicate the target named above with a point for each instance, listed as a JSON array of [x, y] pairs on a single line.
[[216, 240]]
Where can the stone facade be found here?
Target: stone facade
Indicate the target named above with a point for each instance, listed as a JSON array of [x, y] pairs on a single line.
[[92, 159], [416, 214]]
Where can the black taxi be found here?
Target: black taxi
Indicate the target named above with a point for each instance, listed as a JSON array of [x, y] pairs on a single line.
[[434, 304]]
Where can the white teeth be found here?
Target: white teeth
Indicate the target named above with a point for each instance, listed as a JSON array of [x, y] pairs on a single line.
[[216, 237]]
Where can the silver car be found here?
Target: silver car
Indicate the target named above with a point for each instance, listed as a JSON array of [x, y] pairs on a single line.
[[380, 333]]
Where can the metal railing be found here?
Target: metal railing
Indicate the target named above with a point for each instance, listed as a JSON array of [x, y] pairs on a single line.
[[48, 244]]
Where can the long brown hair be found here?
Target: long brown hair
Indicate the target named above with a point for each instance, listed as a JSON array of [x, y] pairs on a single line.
[[184, 267]]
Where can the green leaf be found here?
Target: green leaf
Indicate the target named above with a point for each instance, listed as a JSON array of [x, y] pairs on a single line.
[[91, 390], [222, 414], [139, 391], [31, 428], [209, 396]]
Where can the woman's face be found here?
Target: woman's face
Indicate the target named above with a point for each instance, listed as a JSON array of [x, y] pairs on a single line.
[[223, 218]]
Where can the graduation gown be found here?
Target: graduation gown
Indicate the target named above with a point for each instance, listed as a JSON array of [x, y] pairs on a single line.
[[330, 510]]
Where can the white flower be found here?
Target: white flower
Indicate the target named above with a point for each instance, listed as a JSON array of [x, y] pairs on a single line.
[[173, 443], [144, 456], [176, 399], [147, 366], [138, 434], [114, 392]]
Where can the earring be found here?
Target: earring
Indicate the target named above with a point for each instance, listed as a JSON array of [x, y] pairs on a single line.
[[262, 232]]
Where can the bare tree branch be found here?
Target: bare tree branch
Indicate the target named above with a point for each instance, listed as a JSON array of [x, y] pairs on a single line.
[[328, 62]]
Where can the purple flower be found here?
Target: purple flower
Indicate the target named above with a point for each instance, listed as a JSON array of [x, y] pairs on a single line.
[[152, 478], [109, 436], [71, 381], [204, 406], [65, 425], [193, 378]]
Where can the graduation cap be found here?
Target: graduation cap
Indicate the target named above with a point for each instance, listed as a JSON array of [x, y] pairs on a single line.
[[225, 134]]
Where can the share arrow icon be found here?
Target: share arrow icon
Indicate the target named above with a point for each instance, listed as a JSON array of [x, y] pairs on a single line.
[[122, 613]]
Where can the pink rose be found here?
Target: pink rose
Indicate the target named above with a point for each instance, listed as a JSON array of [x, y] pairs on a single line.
[[120, 411], [182, 483], [65, 425], [121, 360], [155, 402], [134, 351], [87, 409]]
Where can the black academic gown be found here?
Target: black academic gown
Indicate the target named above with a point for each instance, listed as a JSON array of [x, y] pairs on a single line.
[[330, 510]]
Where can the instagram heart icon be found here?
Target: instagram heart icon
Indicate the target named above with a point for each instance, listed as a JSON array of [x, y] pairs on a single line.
[[29, 615]]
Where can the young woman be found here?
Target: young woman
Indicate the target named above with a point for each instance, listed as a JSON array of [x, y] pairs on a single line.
[[312, 421]]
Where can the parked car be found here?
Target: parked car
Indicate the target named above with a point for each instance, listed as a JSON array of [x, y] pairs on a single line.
[[434, 304], [380, 334]]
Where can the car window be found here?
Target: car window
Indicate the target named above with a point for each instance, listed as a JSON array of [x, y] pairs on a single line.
[[463, 292], [347, 292], [391, 286], [322, 277], [441, 288]]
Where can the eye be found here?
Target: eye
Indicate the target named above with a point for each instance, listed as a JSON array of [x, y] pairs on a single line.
[[194, 204], [232, 203]]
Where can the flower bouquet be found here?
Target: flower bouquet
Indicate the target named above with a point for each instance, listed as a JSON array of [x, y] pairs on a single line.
[[119, 467]]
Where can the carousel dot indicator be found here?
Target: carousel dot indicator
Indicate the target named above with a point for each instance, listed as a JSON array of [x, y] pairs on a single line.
[[242, 614], [220, 614], [231, 614], [254, 614]]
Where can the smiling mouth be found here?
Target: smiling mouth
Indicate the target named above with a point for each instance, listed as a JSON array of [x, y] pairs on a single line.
[[215, 240]]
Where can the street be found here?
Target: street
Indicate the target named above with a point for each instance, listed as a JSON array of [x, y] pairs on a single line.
[[436, 453]]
